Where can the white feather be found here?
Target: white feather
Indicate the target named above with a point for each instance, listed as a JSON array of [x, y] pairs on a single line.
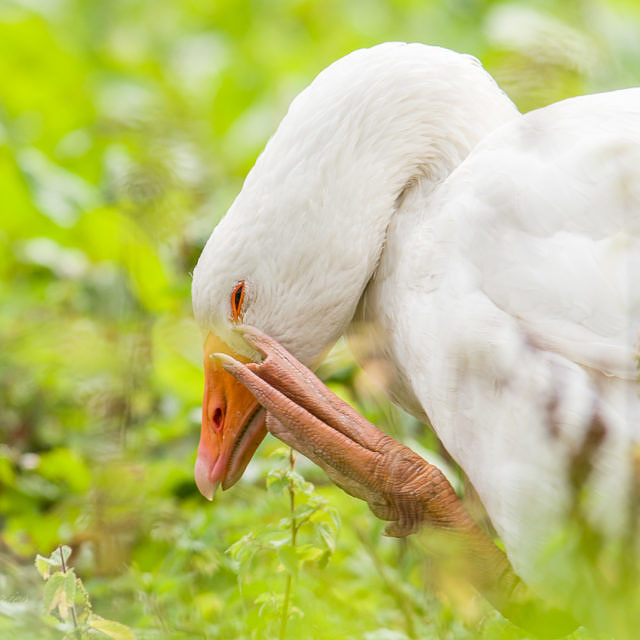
[[498, 281]]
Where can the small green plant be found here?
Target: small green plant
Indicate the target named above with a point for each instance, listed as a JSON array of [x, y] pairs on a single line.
[[307, 534], [65, 596]]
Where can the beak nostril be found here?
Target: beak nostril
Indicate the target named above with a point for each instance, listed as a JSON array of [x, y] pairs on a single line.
[[217, 419]]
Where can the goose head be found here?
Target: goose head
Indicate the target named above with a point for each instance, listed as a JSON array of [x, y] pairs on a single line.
[[296, 249]]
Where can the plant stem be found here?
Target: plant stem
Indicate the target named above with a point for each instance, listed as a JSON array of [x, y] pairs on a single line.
[[73, 605], [294, 531]]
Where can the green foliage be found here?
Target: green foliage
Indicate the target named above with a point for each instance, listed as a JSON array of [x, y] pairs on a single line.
[[126, 129], [64, 593], [307, 535]]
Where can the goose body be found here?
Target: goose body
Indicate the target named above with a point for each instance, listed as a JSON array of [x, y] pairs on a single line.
[[489, 259], [509, 309]]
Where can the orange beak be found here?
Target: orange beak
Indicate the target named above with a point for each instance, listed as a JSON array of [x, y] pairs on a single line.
[[233, 424]]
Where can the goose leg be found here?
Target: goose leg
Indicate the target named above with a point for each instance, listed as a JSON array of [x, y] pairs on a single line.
[[398, 484]]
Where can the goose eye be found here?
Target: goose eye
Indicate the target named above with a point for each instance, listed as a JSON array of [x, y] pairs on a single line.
[[237, 296]]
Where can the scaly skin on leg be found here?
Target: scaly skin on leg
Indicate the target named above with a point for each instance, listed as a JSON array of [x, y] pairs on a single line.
[[398, 485]]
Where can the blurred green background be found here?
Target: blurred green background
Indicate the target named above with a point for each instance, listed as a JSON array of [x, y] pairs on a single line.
[[126, 127]]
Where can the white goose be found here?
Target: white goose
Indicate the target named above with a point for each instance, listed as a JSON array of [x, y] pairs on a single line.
[[492, 258]]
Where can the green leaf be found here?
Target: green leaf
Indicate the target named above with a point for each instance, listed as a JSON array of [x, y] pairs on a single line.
[[289, 559], [335, 518], [244, 549], [60, 591], [307, 553], [277, 481], [69, 592], [51, 588], [83, 595], [327, 535], [43, 565], [110, 628], [270, 603], [323, 560], [304, 512], [300, 484], [280, 452]]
